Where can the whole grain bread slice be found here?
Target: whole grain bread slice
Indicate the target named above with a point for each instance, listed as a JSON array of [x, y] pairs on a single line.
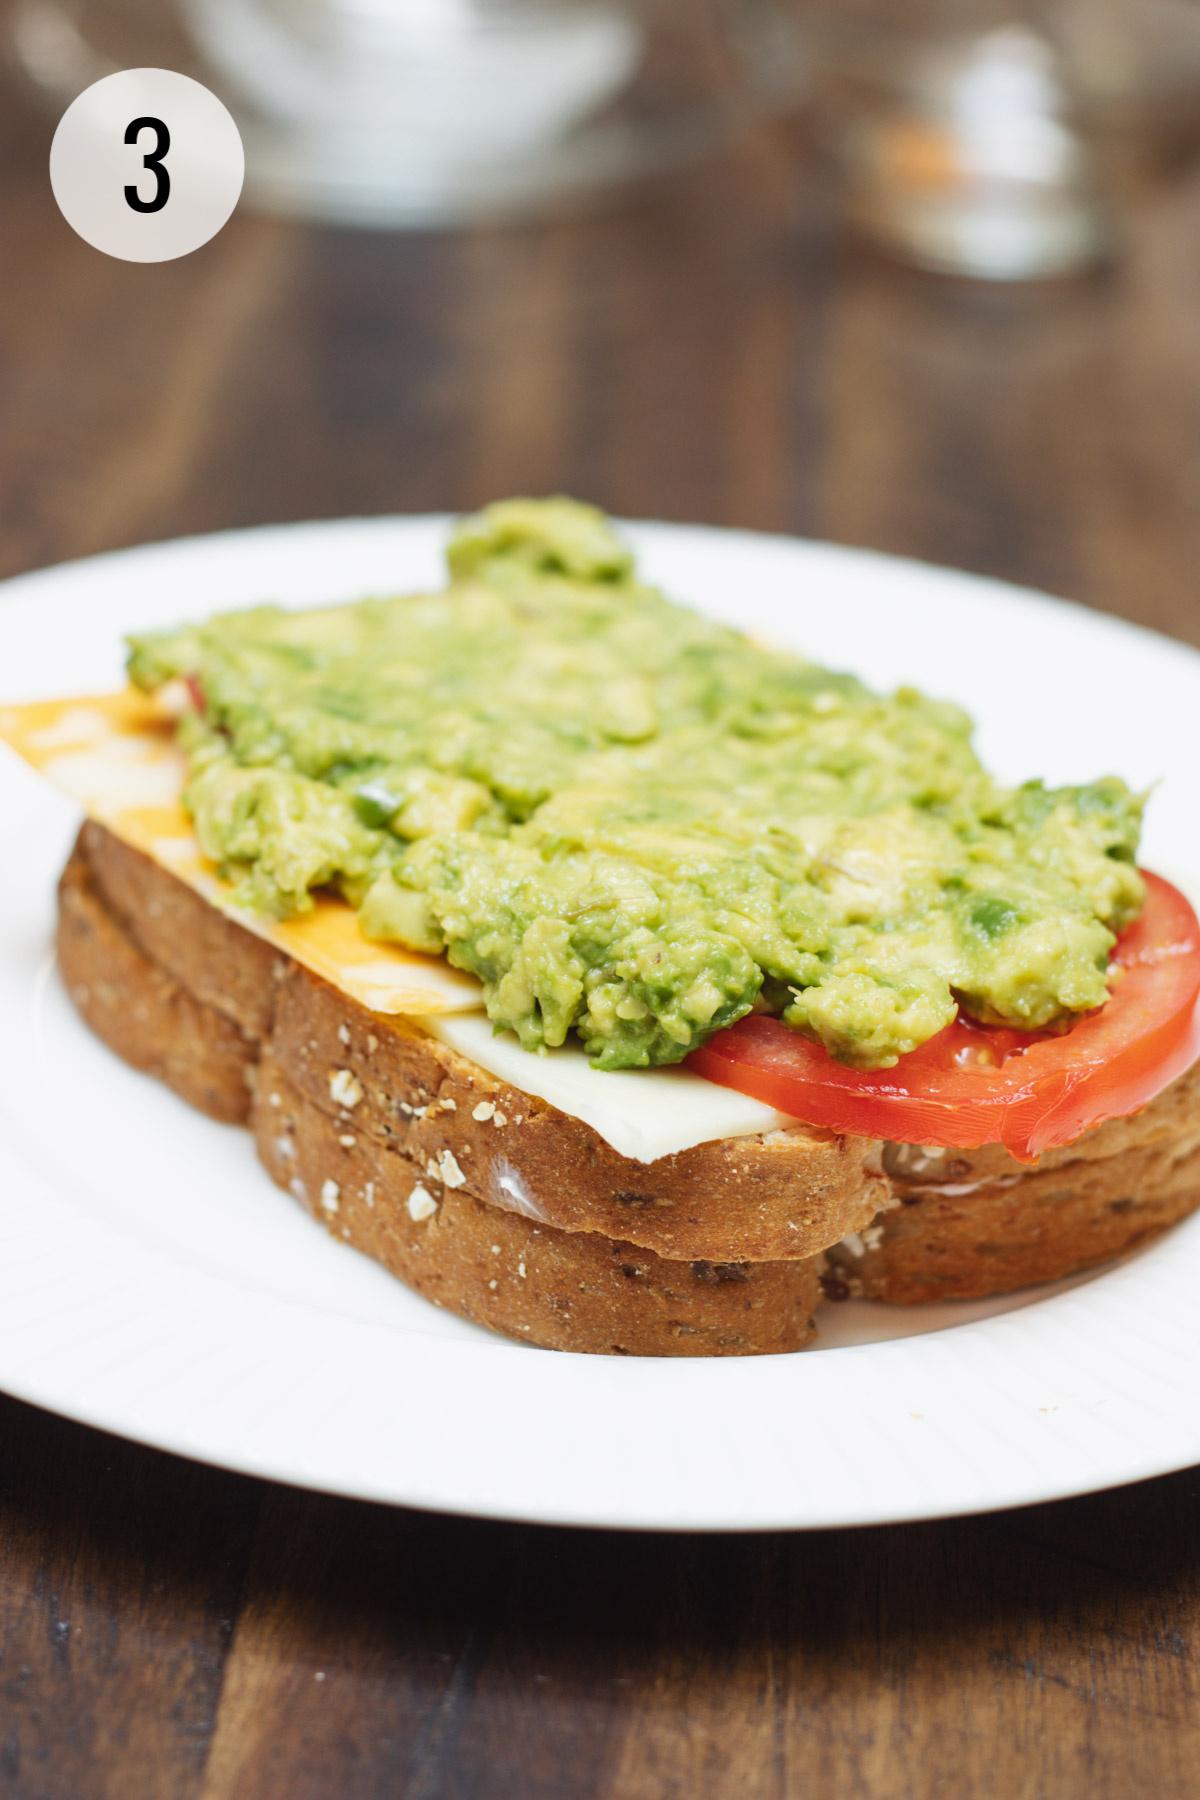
[[562, 1290], [757, 1199]]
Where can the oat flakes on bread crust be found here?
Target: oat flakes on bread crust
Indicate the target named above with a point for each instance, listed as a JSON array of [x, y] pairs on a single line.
[[562, 1290], [747, 1199]]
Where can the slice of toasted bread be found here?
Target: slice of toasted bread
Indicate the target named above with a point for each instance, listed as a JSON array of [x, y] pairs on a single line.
[[562, 1290]]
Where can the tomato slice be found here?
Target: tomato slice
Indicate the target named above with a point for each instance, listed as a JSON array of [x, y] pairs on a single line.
[[973, 1085]]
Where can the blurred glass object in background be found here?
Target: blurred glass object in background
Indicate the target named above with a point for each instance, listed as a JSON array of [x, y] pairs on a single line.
[[974, 167], [430, 112], [997, 138]]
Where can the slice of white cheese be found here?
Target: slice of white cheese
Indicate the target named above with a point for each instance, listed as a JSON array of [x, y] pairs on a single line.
[[643, 1113], [115, 755]]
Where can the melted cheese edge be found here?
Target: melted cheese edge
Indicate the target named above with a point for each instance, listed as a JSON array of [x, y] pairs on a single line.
[[115, 756]]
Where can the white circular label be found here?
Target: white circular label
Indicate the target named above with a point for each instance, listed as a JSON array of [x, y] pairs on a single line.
[[146, 165]]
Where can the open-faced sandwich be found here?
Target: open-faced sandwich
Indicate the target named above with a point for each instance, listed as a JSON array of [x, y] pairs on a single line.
[[615, 980]]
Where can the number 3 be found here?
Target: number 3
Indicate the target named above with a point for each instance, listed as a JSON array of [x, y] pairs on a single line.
[[162, 190]]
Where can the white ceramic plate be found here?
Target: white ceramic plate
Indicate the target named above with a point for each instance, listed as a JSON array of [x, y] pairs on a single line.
[[153, 1281]]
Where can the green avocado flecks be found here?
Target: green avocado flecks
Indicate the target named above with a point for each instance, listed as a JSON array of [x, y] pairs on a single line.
[[633, 823]]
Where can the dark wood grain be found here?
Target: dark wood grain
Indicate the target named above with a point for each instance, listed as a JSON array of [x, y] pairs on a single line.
[[169, 1630], [715, 351], [119, 1582]]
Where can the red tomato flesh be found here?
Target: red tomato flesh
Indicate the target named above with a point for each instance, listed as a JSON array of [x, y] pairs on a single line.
[[972, 1084]]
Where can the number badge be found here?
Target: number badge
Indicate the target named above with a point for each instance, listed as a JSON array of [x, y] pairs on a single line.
[[146, 165]]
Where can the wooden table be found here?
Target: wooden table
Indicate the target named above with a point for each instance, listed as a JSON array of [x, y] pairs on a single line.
[[717, 352]]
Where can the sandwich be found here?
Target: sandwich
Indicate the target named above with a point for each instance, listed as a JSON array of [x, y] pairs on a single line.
[[616, 981]]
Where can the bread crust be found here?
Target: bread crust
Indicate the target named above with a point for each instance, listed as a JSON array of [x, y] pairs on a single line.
[[752, 1199], [144, 1014], [968, 1226], [1175, 1113], [218, 961], [562, 1290]]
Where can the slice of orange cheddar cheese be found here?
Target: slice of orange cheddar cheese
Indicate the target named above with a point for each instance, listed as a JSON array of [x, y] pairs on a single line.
[[116, 756]]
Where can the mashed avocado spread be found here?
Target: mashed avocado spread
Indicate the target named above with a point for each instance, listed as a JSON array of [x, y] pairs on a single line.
[[633, 823]]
